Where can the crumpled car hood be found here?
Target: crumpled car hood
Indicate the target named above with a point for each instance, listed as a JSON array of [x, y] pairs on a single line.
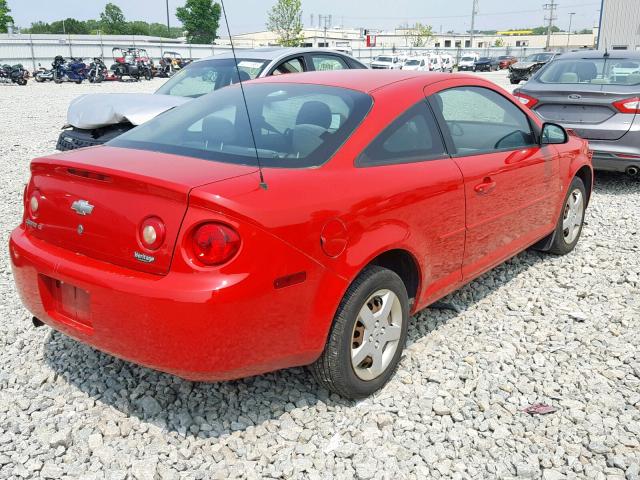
[[101, 109], [524, 65]]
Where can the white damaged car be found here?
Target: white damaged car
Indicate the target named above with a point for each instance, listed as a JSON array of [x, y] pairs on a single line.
[[95, 119]]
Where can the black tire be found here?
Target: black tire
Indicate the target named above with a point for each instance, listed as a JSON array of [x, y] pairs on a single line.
[[334, 370], [561, 245], [38, 79], [514, 82]]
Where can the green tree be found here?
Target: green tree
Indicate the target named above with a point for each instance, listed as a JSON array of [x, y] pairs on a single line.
[[285, 19], [112, 20], [201, 19], [71, 26], [5, 18], [499, 42], [38, 27], [137, 28], [419, 35], [543, 30]]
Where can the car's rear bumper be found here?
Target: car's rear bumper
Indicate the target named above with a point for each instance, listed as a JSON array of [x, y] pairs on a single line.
[[199, 327]]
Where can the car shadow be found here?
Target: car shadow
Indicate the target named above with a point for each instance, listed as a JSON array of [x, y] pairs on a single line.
[[615, 183], [209, 410]]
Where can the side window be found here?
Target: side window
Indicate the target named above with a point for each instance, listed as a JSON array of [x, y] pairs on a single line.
[[293, 65], [412, 137], [328, 62], [480, 120]]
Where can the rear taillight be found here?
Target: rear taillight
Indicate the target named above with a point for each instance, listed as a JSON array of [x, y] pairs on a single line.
[[214, 244], [526, 100], [629, 105], [152, 233]]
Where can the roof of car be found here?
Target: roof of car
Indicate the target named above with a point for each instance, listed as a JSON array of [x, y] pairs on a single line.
[[363, 80], [270, 53], [601, 53]]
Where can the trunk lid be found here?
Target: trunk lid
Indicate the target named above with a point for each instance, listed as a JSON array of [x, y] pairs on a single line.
[[585, 105], [93, 201]]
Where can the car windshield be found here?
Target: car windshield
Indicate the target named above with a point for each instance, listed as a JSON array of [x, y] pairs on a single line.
[[294, 125], [383, 59], [598, 71], [412, 62], [467, 59], [484, 59], [539, 57], [206, 76]]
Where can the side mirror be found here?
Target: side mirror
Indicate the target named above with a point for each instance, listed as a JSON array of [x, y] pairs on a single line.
[[553, 134]]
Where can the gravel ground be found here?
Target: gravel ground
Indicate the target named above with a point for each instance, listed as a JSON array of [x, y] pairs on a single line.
[[562, 331]]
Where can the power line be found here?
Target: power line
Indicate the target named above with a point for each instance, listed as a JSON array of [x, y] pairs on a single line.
[[491, 14]]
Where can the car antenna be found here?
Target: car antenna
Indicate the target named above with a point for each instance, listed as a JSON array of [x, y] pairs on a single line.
[[263, 184]]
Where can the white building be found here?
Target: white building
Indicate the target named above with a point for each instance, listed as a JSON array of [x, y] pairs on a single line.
[[620, 25]]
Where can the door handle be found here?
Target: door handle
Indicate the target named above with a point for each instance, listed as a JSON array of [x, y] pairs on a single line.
[[487, 186]]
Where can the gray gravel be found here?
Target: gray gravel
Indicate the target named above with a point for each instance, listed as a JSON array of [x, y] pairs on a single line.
[[539, 329]]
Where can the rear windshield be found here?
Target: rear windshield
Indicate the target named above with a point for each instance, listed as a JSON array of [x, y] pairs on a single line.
[[467, 59], [484, 59], [539, 57], [206, 76], [294, 125], [412, 62], [598, 71], [383, 59]]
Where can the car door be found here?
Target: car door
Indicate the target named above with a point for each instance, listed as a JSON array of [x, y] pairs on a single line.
[[289, 65], [512, 184], [418, 185], [326, 61]]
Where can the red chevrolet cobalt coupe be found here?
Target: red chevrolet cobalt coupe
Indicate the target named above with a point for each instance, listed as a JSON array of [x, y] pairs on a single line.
[[382, 192]]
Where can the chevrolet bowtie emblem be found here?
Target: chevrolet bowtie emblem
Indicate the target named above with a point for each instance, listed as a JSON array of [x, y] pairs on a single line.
[[82, 207]]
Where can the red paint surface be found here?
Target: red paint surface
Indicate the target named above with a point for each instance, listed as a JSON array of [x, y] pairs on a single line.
[[320, 225]]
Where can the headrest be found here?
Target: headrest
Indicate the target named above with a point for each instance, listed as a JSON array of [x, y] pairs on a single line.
[[314, 113]]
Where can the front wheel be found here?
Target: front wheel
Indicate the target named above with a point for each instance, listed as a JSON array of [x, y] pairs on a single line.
[[514, 82], [367, 337], [569, 227]]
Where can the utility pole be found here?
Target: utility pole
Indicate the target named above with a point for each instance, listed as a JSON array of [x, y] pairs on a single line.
[[168, 25], [569, 34], [324, 22], [474, 12], [551, 7]]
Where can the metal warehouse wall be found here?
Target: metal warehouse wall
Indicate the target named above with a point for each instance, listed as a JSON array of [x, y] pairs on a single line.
[[620, 25]]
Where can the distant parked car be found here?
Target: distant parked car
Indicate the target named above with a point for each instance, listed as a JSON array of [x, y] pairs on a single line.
[[596, 95], [420, 64], [97, 118], [486, 64], [505, 61], [386, 62], [467, 63], [447, 63], [525, 69]]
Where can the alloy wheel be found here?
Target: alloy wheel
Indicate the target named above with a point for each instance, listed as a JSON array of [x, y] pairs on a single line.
[[376, 334], [573, 216]]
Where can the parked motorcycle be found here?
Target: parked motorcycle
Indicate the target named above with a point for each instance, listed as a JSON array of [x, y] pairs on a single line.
[[73, 71], [43, 75], [13, 74], [98, 71]]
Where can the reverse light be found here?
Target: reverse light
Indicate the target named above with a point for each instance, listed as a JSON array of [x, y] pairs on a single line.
[[152, 233], [34, 204], [214, 244], [526, 100], [629, 105]]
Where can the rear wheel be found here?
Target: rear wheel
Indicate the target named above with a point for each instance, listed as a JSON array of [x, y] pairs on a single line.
[[569, 227], [514, 82], [367, 336]]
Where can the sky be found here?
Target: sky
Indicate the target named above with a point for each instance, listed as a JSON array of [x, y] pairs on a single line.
[[249, 15]]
